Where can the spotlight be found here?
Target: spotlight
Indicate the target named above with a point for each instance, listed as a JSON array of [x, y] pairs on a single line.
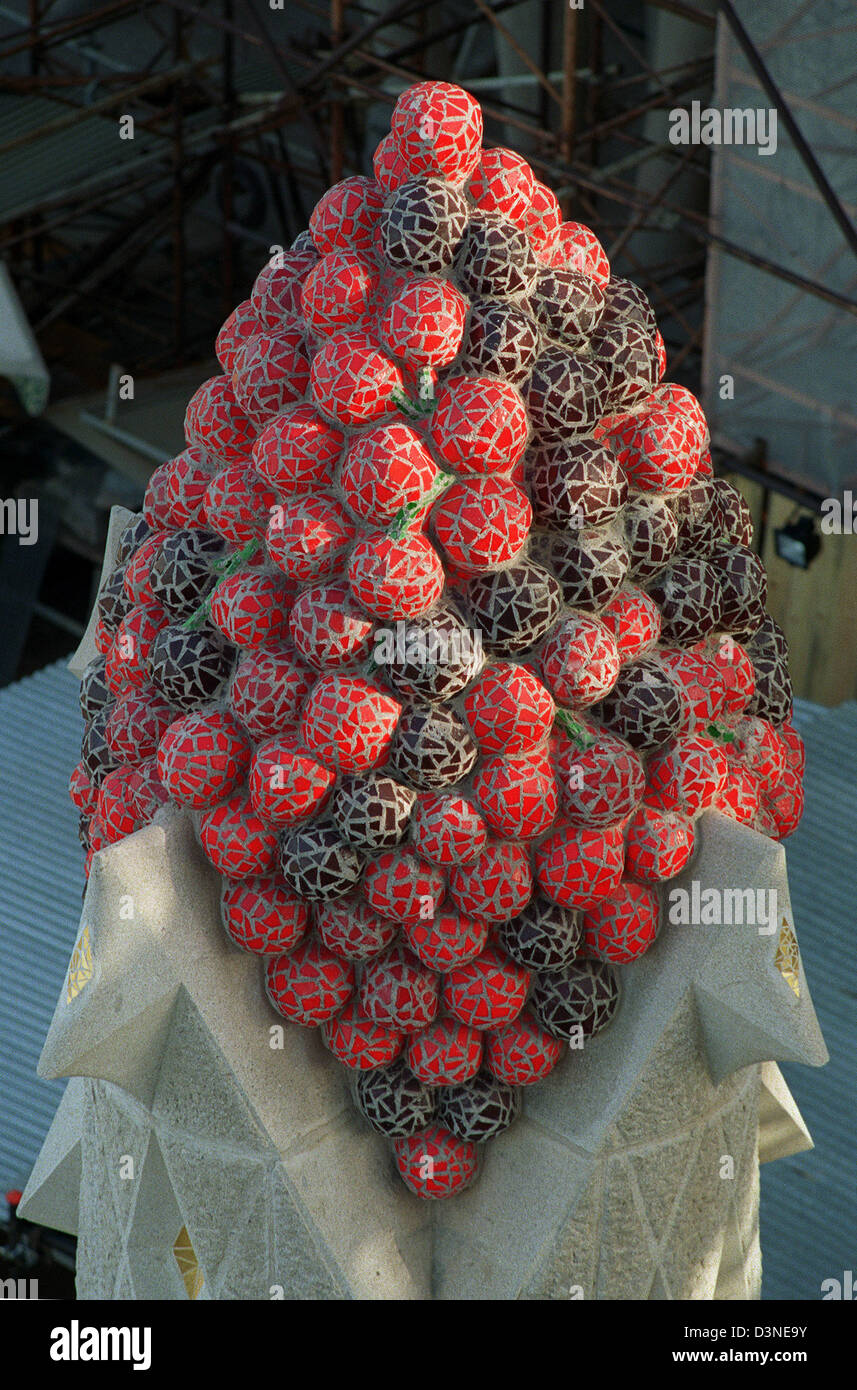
[[798, 542]]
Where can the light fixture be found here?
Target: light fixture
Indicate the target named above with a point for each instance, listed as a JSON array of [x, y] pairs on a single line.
[[798, 542]]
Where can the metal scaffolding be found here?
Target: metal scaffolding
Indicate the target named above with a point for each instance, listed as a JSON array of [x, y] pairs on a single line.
[[136, 250]]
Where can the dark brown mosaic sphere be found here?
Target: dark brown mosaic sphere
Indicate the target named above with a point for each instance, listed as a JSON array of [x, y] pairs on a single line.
[[544, 936], [434, 657], [628, 356], [113, 601], [131, 537], [514, 607], [480, 1110], [743, 588], [625, 302], [566, 394], [393, 1100], [372, 812], [181, 573], [319, 864], [495, 258], [95, 693], [433, 747], [582, 996], [768, 650], [422, 225], [189, 667], [651, 535], [96, 756], [574, 484], [688, 595], [568, 305], [500, 340], [644, 706], [736, 519], [591, 565]]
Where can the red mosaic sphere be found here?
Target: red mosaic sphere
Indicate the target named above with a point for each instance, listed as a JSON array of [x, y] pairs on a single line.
[[251, 608], [397, 989], [352, 381], [344, 217], [349, 722], [503, 183], [156, 506], [483, 523], [479, 425], [659, 844], [578, 248], [542, 222], [339, 292], [424, 323], [509, 710], [396, 577], [657, 447], [622, 926], [351, 929], [328, 629], [447, 1053], [237, 841], [496, 886], [238, 504], [390, 168], [521, 1052], [578, 865], [634, 620], [276, 293], [187, 485], [138, 570], [137, 723], [287, 785], [115, 810], [385, 468], [740, 798], [268, 691], [448, 829], [437, 130], [297, 451], [215, 420], [271, 371], [309, 985], [487, 991], [601, 784], [580, 661], [785, 803], [202, 757], [446, 939], [241, 324], [308, 537], [83, 791], [435, 1163], [688, 776], [263, 915], [127, 658], [359, 1042], [517, 796], [399, 886]]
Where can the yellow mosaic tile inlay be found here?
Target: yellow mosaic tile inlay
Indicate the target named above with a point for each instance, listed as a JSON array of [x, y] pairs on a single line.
[[787, 958], [188, 1264], [80, 970]]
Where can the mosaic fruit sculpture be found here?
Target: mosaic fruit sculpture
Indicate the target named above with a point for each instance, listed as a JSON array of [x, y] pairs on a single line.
[[445, 633]]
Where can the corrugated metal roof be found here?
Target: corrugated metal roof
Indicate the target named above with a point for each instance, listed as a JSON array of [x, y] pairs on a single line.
[[809, 1202], [41, 878]]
